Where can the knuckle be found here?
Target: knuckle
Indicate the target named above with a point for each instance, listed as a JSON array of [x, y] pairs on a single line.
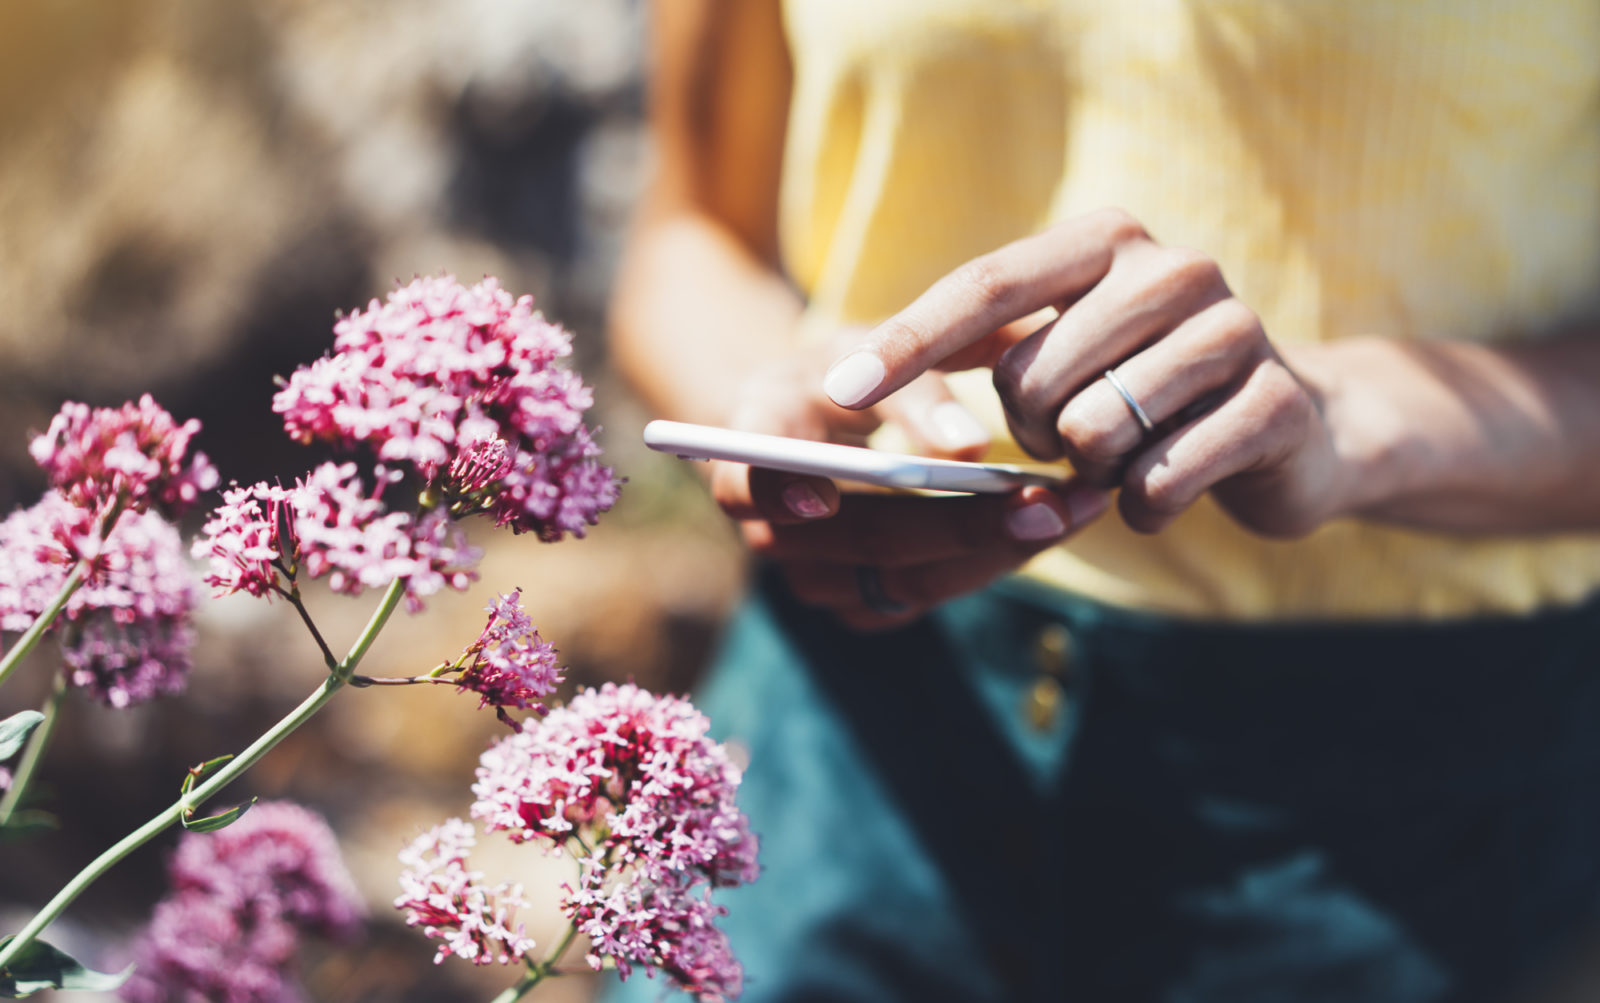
[[1139, 517], [1235, 319], [1119, 225], [986, 282], [1041, 444], [1090, 438], [1027, 391], [1189, 270], [1158, 492], [1228, 336], [901, 336], [1281, 400], [1225, 337], [1008, 378]]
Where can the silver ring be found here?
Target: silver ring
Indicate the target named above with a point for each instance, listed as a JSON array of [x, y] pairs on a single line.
[[1127, 398], [870, 584]]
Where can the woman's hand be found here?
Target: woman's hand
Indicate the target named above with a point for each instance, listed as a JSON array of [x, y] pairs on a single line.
[[879, 560], [1227, 414]]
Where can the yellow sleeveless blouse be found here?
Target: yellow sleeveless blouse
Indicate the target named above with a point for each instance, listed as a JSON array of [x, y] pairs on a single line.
[[1426, 169]]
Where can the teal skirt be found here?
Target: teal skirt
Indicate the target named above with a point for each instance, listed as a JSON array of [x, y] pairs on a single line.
[[1028, 796]]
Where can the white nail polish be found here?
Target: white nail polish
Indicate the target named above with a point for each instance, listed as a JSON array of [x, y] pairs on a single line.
[[1035, 522], [853, 377], [956, 427]]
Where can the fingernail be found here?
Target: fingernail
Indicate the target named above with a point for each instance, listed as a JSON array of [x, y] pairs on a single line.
[[853, 377], [1085, 502], [955, 426], [1034, 522], [804, 502]]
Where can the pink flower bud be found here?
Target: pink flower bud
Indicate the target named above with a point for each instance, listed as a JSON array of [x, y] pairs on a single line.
[[510, 665], [137, 452], [479, 466]]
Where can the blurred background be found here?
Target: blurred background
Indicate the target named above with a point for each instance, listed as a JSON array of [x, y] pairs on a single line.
[[189, 191]]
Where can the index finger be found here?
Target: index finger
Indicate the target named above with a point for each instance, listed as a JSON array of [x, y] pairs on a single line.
[[1046, 269]]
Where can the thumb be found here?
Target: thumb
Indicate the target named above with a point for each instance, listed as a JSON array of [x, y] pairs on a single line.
[[939, 424], [753, 493]]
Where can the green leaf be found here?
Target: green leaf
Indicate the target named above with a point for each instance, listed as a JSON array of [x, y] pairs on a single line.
[[14, 731], [26, 823], [198, 773], [218, 821], [40, 966]]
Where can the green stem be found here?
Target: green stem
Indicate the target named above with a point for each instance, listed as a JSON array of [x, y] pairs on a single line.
[[293, 595], [548, 966], [181, 808], [361, 681], [380, 616], [537, 973], [30, 638], [29, 763], [75, 579], [524, 984]]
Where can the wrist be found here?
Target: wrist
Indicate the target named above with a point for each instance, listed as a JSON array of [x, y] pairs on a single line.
[[1377, 456]]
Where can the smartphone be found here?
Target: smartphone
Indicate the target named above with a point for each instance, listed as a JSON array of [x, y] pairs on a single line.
[[850, 463]]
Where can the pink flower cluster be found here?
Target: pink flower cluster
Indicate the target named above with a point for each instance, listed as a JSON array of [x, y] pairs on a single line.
[[198, 949], [280, 855], [126, 634], [241, 898], [329, 525], [509, 665], [136, 452], [638, 777], [462, 382], [661, 924], [439, 894]]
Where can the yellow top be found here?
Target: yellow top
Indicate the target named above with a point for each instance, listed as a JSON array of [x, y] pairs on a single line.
[[1420, 169]]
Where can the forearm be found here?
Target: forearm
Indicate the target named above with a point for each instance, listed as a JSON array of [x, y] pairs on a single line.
[[695, 311], [1465, 438], [700, 301]]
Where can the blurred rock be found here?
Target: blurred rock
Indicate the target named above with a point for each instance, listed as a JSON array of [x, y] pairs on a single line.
[[190, 190]]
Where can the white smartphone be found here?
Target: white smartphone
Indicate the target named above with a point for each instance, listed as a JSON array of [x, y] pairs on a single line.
[[851, 463]]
